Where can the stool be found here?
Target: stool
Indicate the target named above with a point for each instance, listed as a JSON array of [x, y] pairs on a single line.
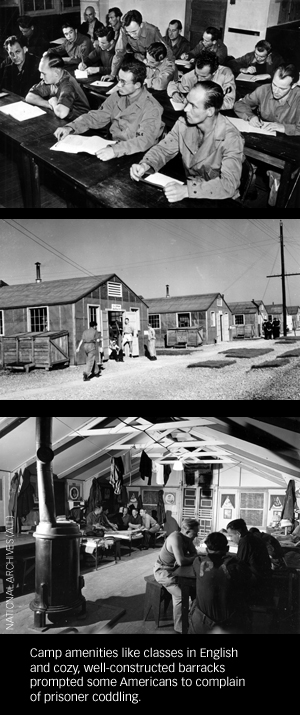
[[156, 594]]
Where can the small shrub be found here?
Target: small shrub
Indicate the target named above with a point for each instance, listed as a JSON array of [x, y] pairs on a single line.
[[270, 363], [213, 363]]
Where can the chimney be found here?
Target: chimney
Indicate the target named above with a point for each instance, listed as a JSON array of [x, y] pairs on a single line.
[[167, 292], [38, 273]]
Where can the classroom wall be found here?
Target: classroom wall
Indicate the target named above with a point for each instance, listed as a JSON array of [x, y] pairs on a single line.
[[158, 12]]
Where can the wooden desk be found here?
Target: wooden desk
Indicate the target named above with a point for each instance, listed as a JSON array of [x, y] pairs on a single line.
[[280, 152], [244, 87], [120, 191], [98, 546], [72, 173]]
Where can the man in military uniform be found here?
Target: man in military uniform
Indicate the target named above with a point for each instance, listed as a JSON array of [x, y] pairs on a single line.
[[210, 146], [89, 340], [134, 116], [277, 103], [206, 68]]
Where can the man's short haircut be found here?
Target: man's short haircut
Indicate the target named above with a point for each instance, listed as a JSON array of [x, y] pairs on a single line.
[[13, 39], [157, 50], [71, 24], [214, 94], [137, 69], [177, 22], [254, 530], [189, 524], [116, 10], [132, 16], [288, 71], [216, 542], [106, 32], [25, 21], [215, 34], [53, 59], [263, 45], [238, 525], [207, 58]]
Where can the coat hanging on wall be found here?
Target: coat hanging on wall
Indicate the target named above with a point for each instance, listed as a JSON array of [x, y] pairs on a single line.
[[95, 496], [146, 467], [13, 494], [116, 474], [26, 496]]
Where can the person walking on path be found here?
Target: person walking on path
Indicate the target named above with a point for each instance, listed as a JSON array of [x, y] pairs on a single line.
[[151, 343], [89, 340]]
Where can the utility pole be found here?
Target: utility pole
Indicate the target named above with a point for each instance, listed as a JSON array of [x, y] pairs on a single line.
[[282, 275]]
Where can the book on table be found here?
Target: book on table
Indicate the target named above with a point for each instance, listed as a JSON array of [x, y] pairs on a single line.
[[245, 77], [243, 126], [75, 143]]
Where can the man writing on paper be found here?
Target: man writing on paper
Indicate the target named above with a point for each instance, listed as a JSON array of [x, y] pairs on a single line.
[[100, 59], [261, 61], [277, 103], [133, 114], [212, 154], [160, 70], [206, 68], [57, 89]]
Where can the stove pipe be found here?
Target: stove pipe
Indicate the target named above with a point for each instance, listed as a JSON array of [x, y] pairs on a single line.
[[38, 273]]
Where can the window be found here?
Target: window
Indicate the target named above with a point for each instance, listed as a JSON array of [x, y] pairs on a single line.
[[94, 315], [154, 321], [212, 319], [219, 303], [1, 322], [114, 289], [239, 319], [38, 320], [38, 5], [252, 508], [184, 320]]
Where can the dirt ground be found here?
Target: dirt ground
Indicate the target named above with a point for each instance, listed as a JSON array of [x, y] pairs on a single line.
[[166, 379]]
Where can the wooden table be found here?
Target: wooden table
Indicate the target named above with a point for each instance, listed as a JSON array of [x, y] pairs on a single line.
[[281, 152], [120, 191], [13, 133], [244, 87], [97, 544], [72, 174]]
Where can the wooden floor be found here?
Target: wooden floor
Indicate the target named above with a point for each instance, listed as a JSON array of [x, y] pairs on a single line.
[[10, 189]]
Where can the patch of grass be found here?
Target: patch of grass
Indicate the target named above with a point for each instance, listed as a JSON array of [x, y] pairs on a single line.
[[213, 363], [270, 363], [291, 353], [247, 352]]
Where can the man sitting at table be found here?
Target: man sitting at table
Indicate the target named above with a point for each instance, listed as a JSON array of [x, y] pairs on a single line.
[[278, 103], [135, 522], [221, 590], [22, 69], [263, 60], [206, 68], [57, 90], [134, 116], [138, 35], [210, 146], [151, 527], [76, 46], [96, 520], [33, 36], [160, 70], [178, 550], [173, 39], [100, 59], [254, 553], [91, 23], [210, 41]]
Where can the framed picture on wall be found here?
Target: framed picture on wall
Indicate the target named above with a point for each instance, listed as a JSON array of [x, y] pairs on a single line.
[[170, 498], [227, 513]]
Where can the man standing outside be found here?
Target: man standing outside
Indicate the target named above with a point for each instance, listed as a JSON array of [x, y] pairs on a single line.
[[127, 336], [89, 340]]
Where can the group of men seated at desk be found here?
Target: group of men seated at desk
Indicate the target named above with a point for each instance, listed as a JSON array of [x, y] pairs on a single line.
[[133, 53], [136, 521], [227, 585]]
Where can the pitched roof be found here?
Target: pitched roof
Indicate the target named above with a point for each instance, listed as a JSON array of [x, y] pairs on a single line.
[[274, 309], [182, 303], [67, 290], [245, 307]]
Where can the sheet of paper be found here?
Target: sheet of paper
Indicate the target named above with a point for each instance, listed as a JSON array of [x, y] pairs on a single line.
[[253, 77], [178, 106], [161, 179], [100, 83], [22, 111], [81, 74], [58, 42], [3, 94], [243, 126], [113, 89], [75, 143], [182, 63]]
